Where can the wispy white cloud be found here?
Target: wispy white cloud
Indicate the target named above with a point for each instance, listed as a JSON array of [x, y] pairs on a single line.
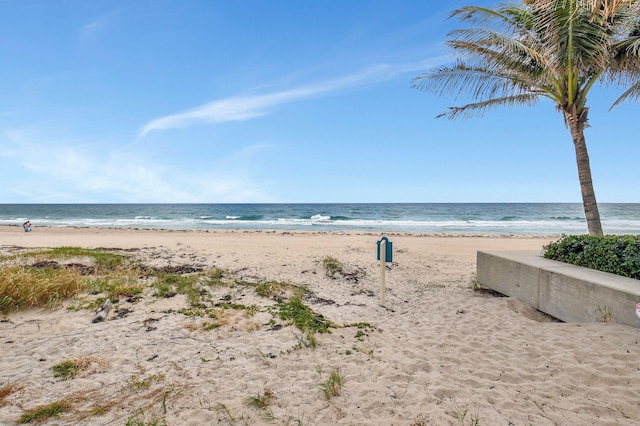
[[93, 29], [246, 107], [94, 171]]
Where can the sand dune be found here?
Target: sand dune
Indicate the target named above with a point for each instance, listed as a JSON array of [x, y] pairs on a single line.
[[435, 351]]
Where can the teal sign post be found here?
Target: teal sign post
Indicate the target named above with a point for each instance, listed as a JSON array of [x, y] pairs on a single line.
[[388, 249], [384, 255]]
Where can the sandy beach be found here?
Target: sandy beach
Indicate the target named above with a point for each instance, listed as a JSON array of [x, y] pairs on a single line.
[[437, 353]]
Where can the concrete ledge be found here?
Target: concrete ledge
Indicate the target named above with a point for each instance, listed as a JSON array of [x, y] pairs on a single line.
[[567, 292]]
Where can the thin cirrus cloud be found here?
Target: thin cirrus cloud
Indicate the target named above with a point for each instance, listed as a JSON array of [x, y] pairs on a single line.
[[94, 29], [246, 107]]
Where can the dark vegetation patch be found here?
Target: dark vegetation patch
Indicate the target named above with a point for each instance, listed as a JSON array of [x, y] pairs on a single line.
[[303, 317], [122, 312], [52, 264], [178, 269], [312, 298], [616, 254]]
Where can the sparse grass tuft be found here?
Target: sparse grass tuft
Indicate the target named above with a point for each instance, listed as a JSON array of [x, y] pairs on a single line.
[[333, 385], [311, 338], [44, 412], [605, 314], [7, 390], [250, 309], [101, 258], [222, 409], [270, 288], [461, 415], [260, 401], [475, 284], [116, 283], [98, 411], [133, 383], [139, 418], [183, 284], [332, 266], [215, 277], [70, 368], [67, 369]]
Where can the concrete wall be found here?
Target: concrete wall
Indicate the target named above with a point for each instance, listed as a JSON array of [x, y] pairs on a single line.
[[567, 292]]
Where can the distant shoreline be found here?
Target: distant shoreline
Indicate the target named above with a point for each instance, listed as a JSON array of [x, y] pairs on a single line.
[[57, 230]]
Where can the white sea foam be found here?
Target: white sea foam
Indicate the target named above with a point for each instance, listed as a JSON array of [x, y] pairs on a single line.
[[440, 218]]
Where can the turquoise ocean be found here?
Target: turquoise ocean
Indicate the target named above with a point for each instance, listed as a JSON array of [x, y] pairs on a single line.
[[440, 218]]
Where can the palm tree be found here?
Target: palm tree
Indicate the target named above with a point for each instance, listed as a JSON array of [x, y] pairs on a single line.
[[522, 53]]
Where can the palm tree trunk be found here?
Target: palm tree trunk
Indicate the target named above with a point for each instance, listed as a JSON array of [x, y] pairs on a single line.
[[576, 125]]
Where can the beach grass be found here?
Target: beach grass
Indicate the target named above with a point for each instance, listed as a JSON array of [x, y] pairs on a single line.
[[271, 288], [68, 369], [140, 418], [41, 278], [22, 287], [115, 284], [45, 412], [260, 401], [134, 383], [332, 266], [303, 317], [102, 259], [169, 284], [333, 385], [7, 390], [45, 278], [464, 416]]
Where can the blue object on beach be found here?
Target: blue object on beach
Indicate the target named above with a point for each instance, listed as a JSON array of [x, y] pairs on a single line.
[[388, 255]]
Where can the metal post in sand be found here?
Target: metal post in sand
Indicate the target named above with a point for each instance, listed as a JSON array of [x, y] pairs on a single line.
[[383, 257]]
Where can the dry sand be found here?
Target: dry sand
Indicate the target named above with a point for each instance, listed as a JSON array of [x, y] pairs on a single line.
[[439, 349]]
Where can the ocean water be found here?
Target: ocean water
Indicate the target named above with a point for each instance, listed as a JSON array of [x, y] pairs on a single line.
[[441, 218]]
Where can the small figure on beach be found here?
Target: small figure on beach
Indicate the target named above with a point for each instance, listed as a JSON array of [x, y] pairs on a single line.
[[27, 226], [102, 313]]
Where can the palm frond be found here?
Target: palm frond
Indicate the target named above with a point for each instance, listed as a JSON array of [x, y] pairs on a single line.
[[477, 109], [605, 10], [626, 54], [632, 93], [577, 40], [466, 80], [511, 56], [510, 15], [479, 15], [482, 37]]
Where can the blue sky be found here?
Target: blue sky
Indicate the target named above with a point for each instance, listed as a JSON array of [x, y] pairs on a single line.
[[271, 101]]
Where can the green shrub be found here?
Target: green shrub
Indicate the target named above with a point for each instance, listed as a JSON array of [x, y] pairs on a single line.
[[617, 254], [303, 317]]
